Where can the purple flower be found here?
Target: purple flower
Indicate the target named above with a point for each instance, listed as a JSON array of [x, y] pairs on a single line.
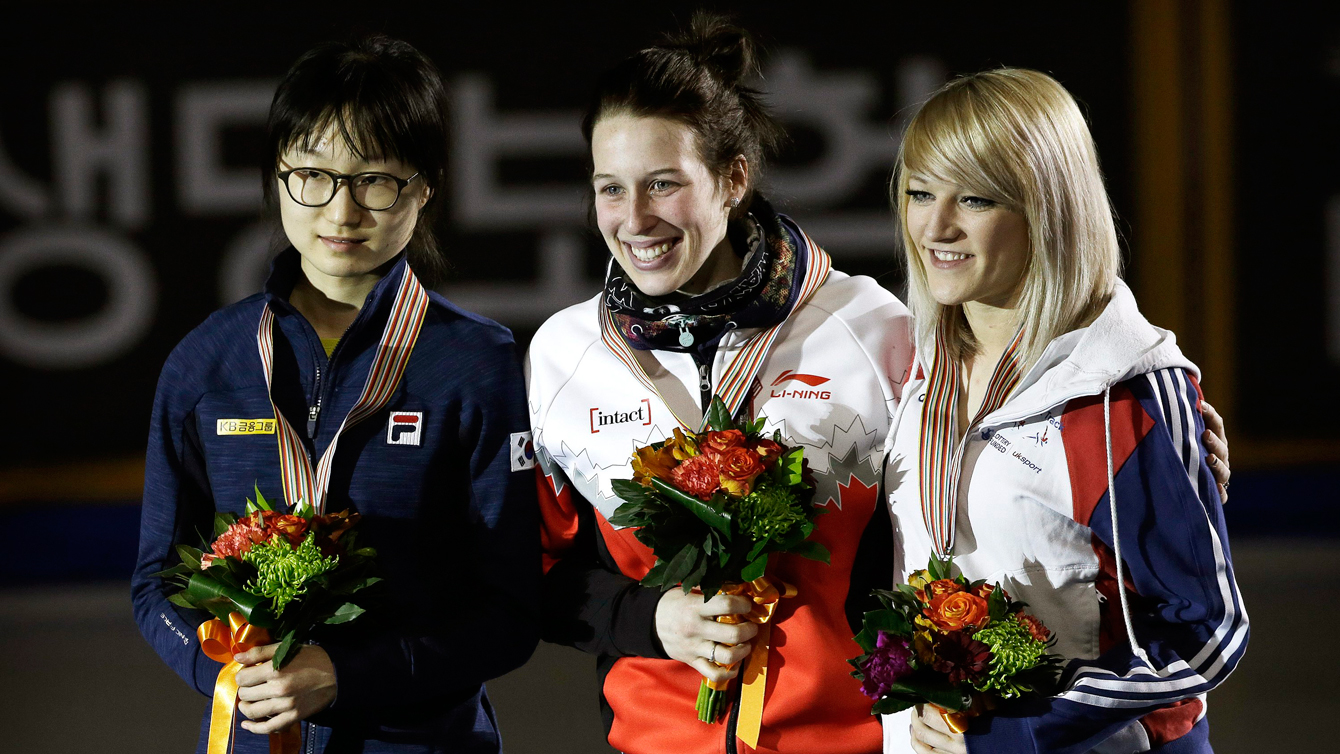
[[889, 663]]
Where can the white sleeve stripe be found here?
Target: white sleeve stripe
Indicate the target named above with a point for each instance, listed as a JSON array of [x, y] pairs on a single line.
[[1224, 644]]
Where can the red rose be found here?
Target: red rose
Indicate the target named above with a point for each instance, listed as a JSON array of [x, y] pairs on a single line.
[[1034, 626], [698, 476], [768, 450], [292, 528], [739, 467], [717, 443]]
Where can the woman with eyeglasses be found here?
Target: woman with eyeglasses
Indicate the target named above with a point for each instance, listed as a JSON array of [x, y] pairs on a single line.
[[356, 158]]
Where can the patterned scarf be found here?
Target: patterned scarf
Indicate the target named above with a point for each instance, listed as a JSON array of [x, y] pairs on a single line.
[[761, 296]]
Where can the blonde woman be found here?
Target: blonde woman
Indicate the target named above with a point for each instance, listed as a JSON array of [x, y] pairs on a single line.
[[1049, 438]]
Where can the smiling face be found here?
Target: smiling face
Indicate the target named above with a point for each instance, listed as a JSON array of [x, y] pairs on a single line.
[[659, 208], [341, 242], [973, 249]]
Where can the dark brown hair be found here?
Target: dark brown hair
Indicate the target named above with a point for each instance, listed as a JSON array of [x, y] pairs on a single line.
[[696, 77], [386, 100]]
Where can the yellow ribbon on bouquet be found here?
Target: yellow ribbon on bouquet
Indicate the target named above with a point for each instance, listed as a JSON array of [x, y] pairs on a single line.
[[220, 641], [754, 677]]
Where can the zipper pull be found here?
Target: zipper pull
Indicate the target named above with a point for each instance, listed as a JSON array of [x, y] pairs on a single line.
[[314, 411]]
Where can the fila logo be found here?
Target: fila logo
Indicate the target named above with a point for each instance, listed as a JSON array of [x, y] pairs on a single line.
[[404, 428], [610, 418], [523, 451], [813, 380]]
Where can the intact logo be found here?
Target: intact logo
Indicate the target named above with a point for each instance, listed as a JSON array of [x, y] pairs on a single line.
[[523, 451], [813, 380], [602, 418], [404, 428]]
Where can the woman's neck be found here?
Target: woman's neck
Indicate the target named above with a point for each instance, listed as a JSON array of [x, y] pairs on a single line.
[[721, 265], [993, 327], [329, 303]]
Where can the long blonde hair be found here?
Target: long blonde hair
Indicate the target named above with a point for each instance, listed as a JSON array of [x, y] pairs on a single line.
[[1017, 137]]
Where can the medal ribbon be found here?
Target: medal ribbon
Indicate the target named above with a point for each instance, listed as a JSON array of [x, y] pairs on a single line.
[[301, 482], [734, 384], [940, 441], [220, 641]]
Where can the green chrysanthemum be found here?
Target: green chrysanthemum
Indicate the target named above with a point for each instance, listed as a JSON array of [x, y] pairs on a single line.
[[282, 571], [769, 512], [1013, 650]]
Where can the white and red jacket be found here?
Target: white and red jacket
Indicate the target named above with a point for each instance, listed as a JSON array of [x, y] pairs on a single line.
[[1038, 512], [831, 383]]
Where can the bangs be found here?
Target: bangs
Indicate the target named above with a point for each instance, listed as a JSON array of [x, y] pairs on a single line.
[[949, 140], [365, 136]]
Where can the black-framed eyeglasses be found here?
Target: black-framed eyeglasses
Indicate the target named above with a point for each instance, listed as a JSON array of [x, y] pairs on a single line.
[[315, 187]]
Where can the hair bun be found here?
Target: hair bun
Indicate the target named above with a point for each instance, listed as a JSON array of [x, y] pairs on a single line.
[[719, 45]]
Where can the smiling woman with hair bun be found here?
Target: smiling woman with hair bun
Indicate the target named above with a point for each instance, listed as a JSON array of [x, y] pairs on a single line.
[[710, 291]]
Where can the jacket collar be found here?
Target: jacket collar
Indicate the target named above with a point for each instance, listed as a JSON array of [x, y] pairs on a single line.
[[286, 268]]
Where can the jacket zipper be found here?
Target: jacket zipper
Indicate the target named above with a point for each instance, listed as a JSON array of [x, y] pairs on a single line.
[[314, 411], [311, 738]]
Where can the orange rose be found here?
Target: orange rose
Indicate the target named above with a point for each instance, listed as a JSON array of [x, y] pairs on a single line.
[[716, 443], [292, 528], [938, 588], [985, 590], [649, 464], [951, 612], [739, 466]]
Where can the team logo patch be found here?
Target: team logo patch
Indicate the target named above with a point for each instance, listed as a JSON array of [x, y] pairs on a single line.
[[603, 418], [813, 380], [523, 451], [404, 428], [245, 427]]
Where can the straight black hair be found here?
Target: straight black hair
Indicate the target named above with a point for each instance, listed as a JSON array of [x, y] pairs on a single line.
[[387, 100], [697, 77]]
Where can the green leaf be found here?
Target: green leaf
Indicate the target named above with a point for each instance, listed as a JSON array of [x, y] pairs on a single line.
[[995, 604], [758, 548], [718, 416], [717, 519], [695, 576], [304, 510], [222, 521], [345, 613], [630, 491], [286, 649], [179, 599], [812, 550], [349, 587], [755, 569], [868, 640], [261, 502], [680, 565], [938, 568], [656, 576], [936, 692], [190, 557], [891, 704], [180, 569], [202, 588]]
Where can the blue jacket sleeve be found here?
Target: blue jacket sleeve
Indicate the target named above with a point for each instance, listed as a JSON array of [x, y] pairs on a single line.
[[177, 503], [491, 619], [1186, 626]]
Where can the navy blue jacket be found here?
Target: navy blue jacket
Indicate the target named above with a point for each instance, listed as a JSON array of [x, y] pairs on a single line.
[[454, 525]]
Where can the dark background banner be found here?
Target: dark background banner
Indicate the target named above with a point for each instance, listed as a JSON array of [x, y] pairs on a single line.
[[130, 200]]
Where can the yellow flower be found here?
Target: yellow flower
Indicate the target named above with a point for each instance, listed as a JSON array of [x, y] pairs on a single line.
[[684, 446], [650, 463], [921, 642]]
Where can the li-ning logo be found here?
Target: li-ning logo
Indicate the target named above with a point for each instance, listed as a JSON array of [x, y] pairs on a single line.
[[404, 428], [813, 380], [609, 418]]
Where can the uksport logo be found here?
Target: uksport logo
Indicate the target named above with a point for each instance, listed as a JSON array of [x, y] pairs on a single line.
[[404, 428]]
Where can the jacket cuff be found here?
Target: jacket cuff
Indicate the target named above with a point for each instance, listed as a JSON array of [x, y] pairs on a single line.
[[363, 673], [634, 631]]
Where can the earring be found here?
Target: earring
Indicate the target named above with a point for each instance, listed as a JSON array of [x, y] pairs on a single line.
[[735, 202]]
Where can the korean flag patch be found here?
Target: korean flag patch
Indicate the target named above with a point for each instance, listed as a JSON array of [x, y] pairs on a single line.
[[523, 451], [404, 428]]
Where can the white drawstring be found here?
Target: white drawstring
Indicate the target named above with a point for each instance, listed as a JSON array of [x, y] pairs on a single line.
[[1116, 540]]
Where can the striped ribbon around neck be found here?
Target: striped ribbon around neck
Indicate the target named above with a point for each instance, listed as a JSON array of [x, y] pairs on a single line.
[[733, 387], [301, 482], [941, 445]]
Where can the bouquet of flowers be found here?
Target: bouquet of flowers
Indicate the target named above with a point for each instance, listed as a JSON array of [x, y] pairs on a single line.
[[281, 574], [961, 646], [712, 506]]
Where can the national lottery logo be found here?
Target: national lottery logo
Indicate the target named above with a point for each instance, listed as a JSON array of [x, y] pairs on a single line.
[[404, 428]]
